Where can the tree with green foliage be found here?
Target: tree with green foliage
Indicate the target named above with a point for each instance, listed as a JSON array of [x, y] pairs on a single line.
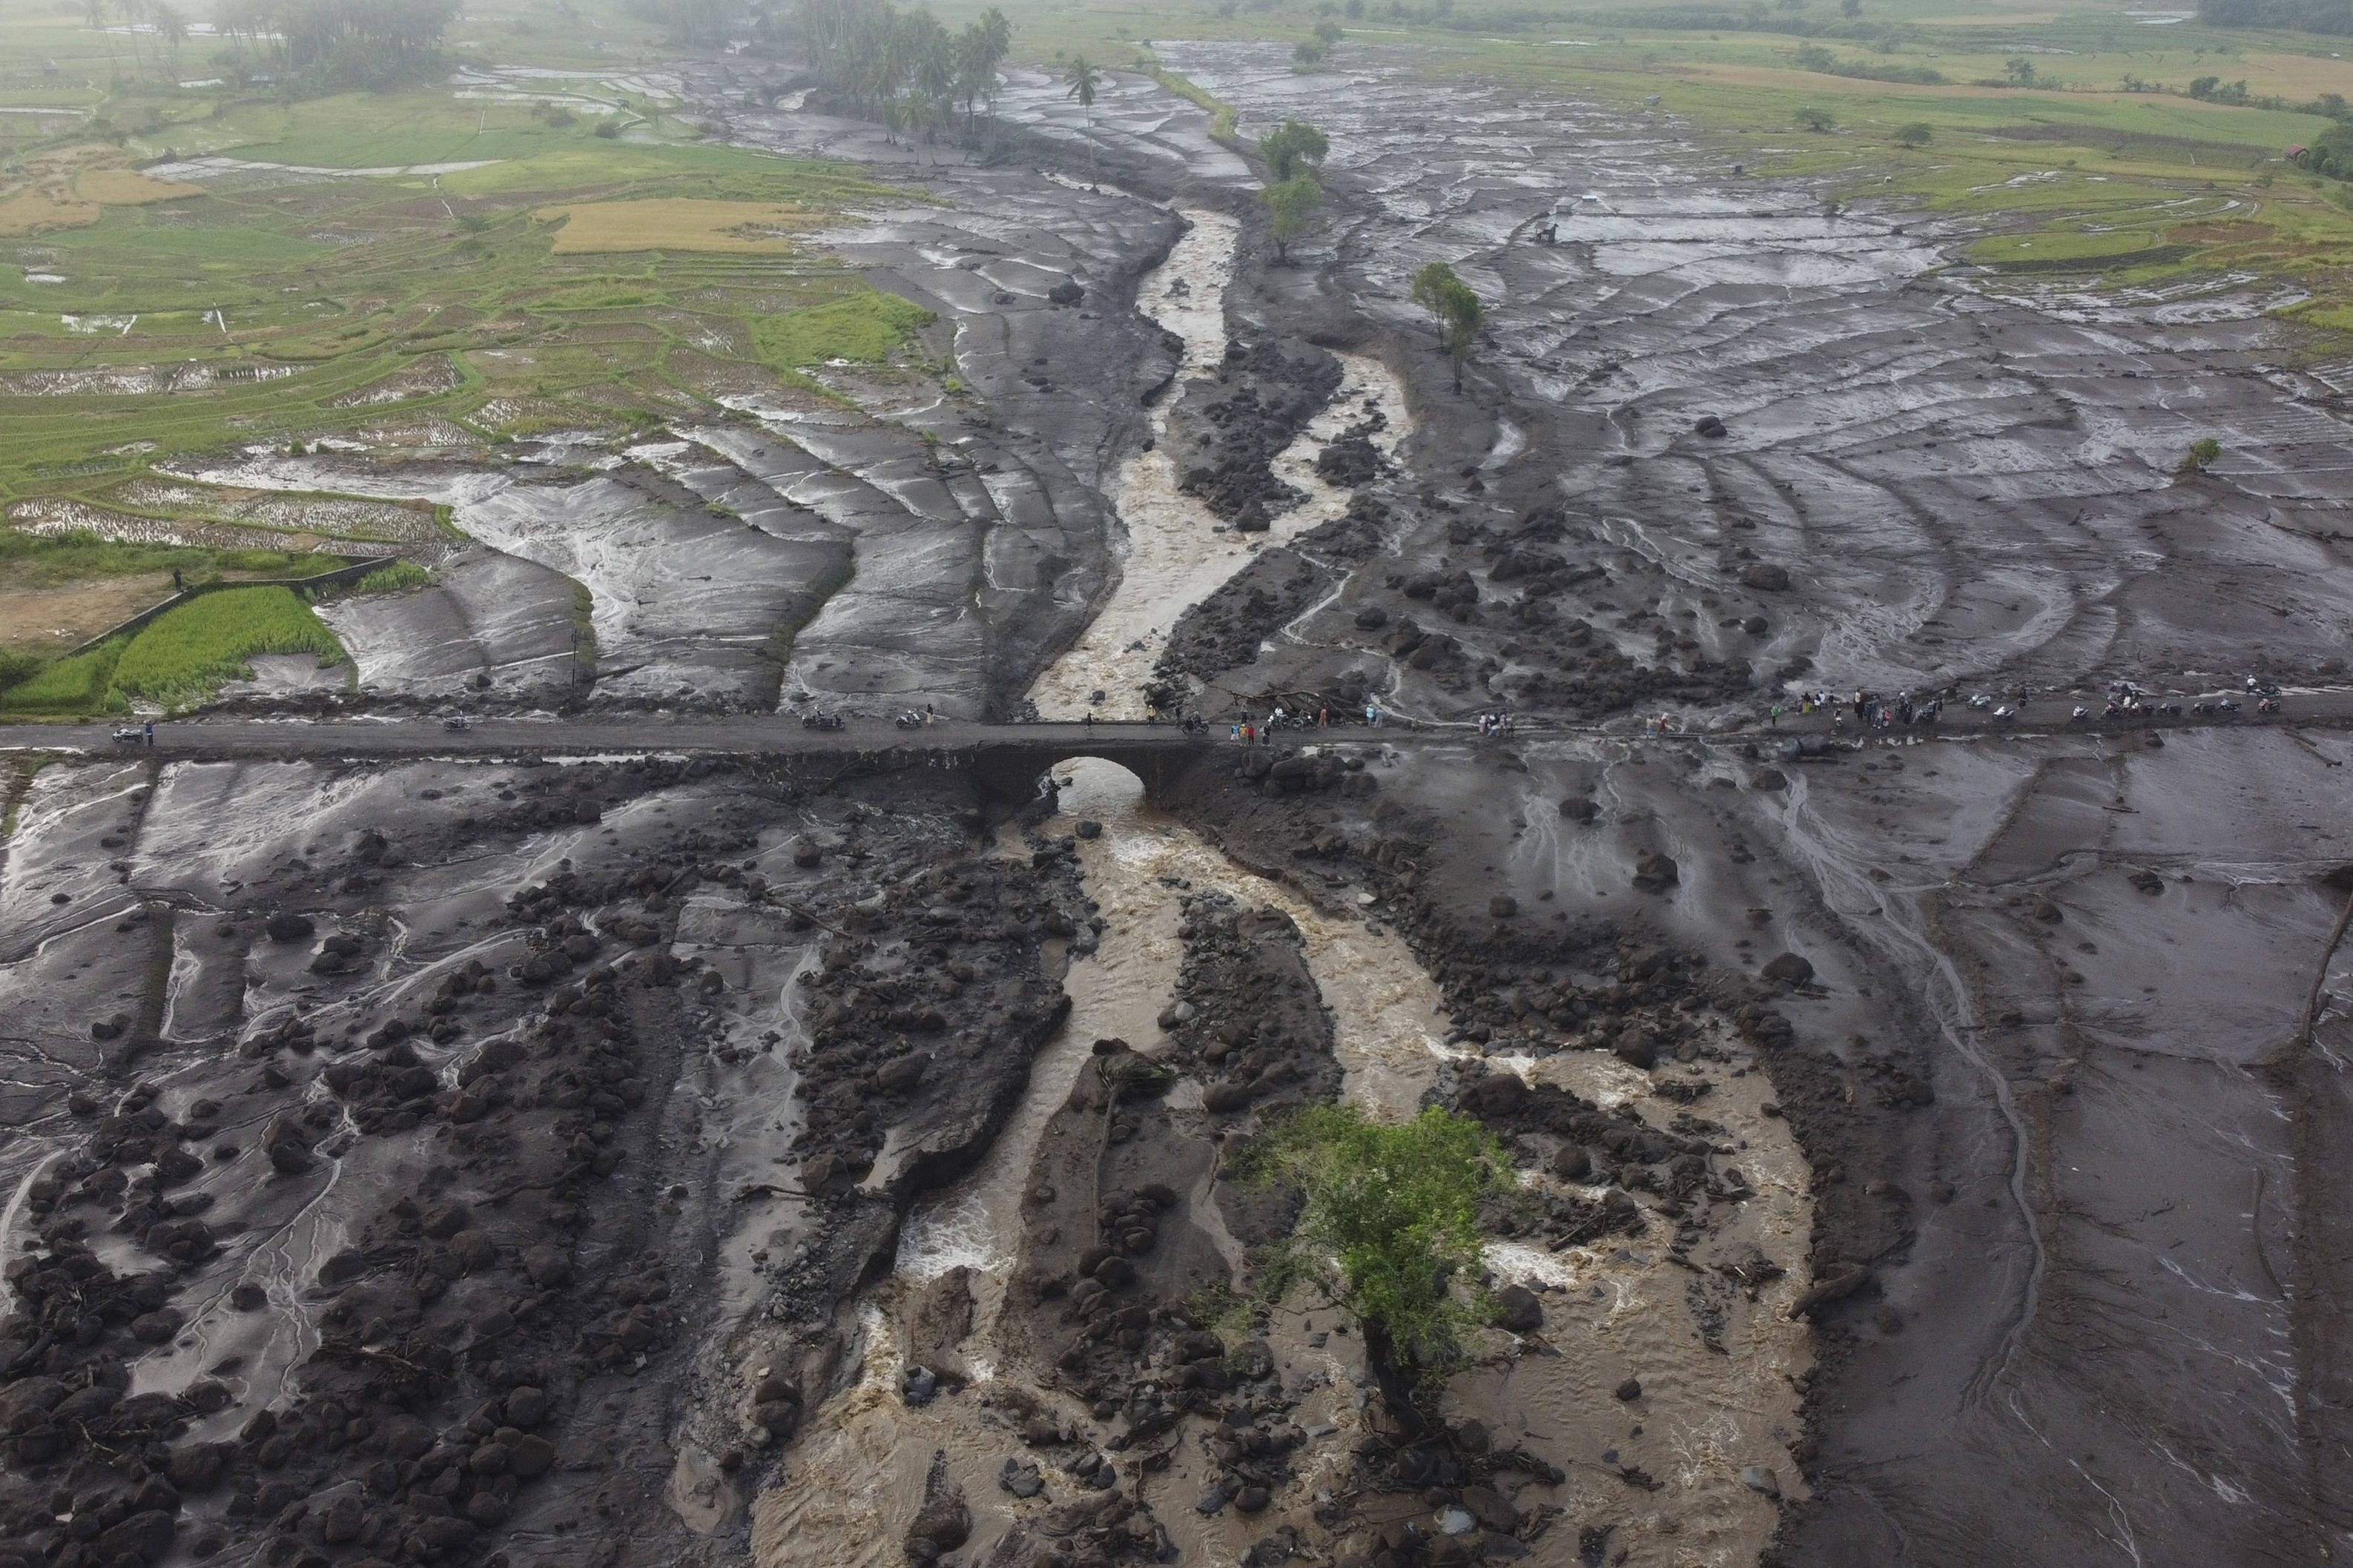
[[93, 14], [1290, 207], [1814, 119], [173, 28], [1455, 309], [1291, 148], [2202, 454], [1083, 80], [1916, 134], [904, 67], [980, 49], [2021, 70], [334, 45], [1390, 1215]]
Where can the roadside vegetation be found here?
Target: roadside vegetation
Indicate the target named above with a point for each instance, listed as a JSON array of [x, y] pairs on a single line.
[[180, 657], [30, 561], [400, 577]]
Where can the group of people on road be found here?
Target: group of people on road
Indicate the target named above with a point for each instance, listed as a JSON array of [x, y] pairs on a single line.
[[1250, 731], [1870, 711], [1496, 724]]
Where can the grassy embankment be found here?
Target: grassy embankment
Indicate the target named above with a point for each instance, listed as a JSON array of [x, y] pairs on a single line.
[[180, 657], [530, 255]]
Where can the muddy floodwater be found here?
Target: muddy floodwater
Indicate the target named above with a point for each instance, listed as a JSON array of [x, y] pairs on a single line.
[[1171, 551]]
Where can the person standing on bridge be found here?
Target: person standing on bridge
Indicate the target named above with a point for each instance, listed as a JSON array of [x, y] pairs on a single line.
[[1088, 718], [150, 732]]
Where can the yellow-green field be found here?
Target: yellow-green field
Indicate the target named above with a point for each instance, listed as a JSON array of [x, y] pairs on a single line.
[[433, 267]]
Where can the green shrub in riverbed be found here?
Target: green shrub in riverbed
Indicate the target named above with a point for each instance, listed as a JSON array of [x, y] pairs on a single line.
[[182, 656]]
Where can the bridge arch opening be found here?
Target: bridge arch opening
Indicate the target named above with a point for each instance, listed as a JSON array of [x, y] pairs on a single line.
[[1096, 789], [1011, 773]]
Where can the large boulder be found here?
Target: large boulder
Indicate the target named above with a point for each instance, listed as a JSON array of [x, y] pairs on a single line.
[[1496, 1095], [1518, 1310], [144, 1537]]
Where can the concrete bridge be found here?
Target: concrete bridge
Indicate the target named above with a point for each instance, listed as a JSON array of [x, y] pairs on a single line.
[[1007, 760]]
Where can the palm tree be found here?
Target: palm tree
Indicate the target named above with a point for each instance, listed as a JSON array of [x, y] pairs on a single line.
[[94, 12], [173, 28], [934, 70], [979, 50], [1084, 79], [135, 13]]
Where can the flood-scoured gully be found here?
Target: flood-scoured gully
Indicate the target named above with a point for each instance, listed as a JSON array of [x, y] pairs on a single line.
[[1926, 1143]]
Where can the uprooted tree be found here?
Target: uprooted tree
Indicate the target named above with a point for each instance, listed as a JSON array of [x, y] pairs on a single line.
[[1388, 1228], [1454, 307]]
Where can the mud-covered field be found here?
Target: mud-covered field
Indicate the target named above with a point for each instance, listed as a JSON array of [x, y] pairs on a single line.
[[1925, 1140]]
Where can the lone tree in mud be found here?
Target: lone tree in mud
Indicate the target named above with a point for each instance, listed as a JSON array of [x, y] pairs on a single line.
[[1290, 207], [1454, 308], [1291, 149], [1390, 1215], [2202, 453], [1082, 80]]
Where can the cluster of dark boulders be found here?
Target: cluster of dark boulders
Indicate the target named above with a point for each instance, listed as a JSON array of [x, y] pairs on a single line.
[[1647, 1013], [1350, 458], [1290, 771], [1457, 1474], [919, 1004], [1225, 630], [342, 953], [1420, 649], [1252, 1028], [1234, 439]]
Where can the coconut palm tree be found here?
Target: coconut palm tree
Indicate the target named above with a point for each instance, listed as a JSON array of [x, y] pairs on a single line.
[[171, 27], [1082, 80], [93, 12]]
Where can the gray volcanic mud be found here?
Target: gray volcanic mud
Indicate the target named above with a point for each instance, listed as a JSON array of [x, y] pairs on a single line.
[[1924, 1150], [392, 1148], [1057, 1369], [2057, 1320], [900, 547], [1922, 483]]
